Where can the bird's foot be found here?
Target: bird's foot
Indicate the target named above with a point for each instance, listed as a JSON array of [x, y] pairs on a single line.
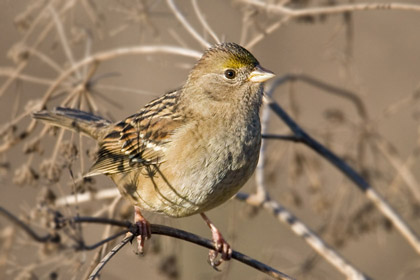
[[143, 230], [221, 245]]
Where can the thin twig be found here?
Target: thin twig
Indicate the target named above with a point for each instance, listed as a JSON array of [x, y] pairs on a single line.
[[44, 58], [108, 256], [359, 181], [402, 168], [10, 72], [88, 197], [347, 94], [337, 9], [107, 55], [203, 21], [27, 229], [281, 137], [63, 38], [99, 57], [261, 197], [261, 193], [300, 229], [155, 229], [186, 24], [266, 32], [186, 236]]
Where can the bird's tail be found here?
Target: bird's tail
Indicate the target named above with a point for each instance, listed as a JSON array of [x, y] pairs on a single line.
[[75, 120]]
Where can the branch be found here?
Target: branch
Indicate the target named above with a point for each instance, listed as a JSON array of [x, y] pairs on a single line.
[[87, 197], [262, 198], [338, 9], [203, 21], [107, 55], [155, 229], [99, 57], [310, 237], [27, 229], [63, 39], [186, 24], [347, 94], [359, 181]]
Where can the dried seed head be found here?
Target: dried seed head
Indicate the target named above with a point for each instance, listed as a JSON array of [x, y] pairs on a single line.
[[46, 196], [32, 146], [50, 170], [68, 150], [25, 175], [18, 53]]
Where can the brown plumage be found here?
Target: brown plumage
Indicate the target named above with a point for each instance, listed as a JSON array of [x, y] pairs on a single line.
[[189, 150]]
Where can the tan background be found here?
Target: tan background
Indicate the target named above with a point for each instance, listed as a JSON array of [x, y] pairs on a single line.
[[383, 70]]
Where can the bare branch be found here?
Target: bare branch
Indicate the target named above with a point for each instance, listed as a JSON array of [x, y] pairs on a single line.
[[300, 229], [133, 229], [87, 197], [108, 256], [107, 55], [338, 9], [361, 183], [401, 167], [63, 38], [203, 21], [186, 24]]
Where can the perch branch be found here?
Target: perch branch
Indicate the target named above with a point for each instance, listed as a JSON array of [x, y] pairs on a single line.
[[155, 229]]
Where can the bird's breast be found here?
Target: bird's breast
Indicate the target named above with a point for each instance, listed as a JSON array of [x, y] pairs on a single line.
[[202, 168]]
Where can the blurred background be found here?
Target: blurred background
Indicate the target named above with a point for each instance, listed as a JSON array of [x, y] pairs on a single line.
[[374, 55]]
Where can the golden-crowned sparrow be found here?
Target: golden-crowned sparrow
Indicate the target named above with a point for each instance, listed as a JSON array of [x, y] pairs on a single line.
[[189, 150]]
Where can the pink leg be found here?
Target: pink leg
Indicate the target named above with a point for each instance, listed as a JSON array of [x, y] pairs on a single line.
[[221, 245], [144, 228]]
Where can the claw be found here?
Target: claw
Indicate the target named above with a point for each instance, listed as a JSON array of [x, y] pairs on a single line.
[[143, 229], [221, 245]]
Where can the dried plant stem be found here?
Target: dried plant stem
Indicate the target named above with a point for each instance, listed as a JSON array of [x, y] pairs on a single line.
[[261, 197], [297, 226], [402, 168], [361, 183], [108, 256], [189, 237], [266, 32], [95, 59], [63, 38], [40, 38], [87, 197], [338, 9], [203, 21], [10, 72], [186, 24], [107, 55], [300, 229], [46, 59], [111, 209], [155, 229], [261, 192]]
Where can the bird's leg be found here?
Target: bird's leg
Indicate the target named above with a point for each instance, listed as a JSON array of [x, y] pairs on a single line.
[[143, 228], [221, 245]]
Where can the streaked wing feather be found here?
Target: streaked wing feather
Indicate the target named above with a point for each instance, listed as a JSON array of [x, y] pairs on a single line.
[[140, 139]]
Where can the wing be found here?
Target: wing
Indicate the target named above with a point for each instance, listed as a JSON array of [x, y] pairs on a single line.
[[140, 139]]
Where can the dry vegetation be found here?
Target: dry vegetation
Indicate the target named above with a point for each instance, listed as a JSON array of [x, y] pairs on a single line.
[[347, 77]]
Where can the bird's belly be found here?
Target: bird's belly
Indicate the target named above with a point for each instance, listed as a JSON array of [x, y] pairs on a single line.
[[204, 177], [185, 191]]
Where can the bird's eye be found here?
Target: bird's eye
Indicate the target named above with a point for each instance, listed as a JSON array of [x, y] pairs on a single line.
[[230, 74]]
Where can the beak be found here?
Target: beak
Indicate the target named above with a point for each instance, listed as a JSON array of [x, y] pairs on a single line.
[[260, 75]]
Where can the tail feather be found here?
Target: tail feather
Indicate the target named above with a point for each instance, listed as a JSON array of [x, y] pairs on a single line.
[[76, 120]]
